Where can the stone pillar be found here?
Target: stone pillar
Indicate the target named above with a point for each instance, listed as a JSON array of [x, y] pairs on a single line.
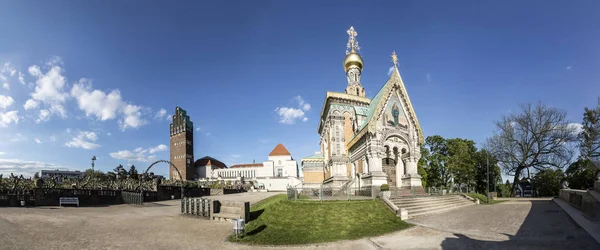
[[412, 177], [399, 172]]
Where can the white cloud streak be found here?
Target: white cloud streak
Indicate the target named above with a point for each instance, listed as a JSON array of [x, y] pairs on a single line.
[[84, 140], [139, 154]]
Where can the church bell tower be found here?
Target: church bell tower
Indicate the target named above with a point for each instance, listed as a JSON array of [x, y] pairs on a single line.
[[353, 65]]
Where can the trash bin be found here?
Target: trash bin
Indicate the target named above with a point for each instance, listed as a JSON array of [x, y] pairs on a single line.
[[238, 226], [22, 203]]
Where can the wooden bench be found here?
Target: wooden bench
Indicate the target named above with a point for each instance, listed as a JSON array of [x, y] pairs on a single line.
[[68, 200]]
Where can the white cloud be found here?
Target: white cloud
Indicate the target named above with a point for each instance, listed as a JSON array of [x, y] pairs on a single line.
[[53, 138], [6, 86], [95, 102], [8, 118], [26, 168], [161, 147], [390, 70], [428, 77], [576, 127], [306, 107], [38, 141], [18, 137], [21, 78], [197, 129], [162, 113], [132, 117], [569, 67], [6, 101], [7, 69], [106, 106], [31, 104], [84, 140], [49, 89], [44, 116], [289, 115], [139, 154]]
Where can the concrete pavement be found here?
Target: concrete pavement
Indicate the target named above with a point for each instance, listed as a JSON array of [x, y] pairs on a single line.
[[508, 225]]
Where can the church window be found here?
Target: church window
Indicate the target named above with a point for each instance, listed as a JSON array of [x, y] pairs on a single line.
[[279, 172], [357, 90]]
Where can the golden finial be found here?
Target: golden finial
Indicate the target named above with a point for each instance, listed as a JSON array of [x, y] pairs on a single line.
[[395, 59], [352, 45]]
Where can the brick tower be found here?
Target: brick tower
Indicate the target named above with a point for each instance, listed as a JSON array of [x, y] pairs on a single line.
[[182, 146]]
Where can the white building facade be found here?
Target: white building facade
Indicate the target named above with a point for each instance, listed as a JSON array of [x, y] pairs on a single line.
[[278, 173]]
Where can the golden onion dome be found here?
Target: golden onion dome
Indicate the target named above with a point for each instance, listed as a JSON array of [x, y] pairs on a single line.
[[353, 59]]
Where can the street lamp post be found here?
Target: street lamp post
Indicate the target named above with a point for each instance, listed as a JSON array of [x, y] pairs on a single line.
[[93, 173], [488, 178]]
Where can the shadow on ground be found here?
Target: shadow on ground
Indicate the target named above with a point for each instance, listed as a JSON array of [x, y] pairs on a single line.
[[255, 214], [546, 226]]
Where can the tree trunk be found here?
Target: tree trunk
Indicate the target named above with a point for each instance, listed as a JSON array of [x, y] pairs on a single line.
[[515, 180]]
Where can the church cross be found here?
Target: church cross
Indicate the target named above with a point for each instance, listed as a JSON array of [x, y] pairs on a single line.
[[395, 59]]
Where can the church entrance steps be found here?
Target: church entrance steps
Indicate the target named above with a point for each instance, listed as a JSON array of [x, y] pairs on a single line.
[[438, 210], [416, 206], [430, 204], [422, 200], [401, 192]]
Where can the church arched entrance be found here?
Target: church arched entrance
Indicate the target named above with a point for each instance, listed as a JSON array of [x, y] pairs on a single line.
[[389, 168]]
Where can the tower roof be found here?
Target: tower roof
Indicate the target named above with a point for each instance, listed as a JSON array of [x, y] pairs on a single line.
[[279, 150]]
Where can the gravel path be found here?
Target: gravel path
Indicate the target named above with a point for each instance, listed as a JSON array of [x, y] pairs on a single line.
[[509, 225], [523, 224]]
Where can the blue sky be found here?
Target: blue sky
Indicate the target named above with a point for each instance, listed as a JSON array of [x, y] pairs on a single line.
[[98, 73]]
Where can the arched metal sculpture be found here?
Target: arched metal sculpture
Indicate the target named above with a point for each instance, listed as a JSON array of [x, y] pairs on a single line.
[[170, 164]]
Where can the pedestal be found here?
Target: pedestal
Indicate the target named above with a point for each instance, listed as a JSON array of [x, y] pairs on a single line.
[[411, 180], [336, 181], [376, 179]]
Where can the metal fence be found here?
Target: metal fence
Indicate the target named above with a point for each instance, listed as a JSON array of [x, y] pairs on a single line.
[[331, 193], [133, 198], [196, 206], [445, 191]]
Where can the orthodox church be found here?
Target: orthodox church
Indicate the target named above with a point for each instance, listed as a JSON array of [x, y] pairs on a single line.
[[367, 141]]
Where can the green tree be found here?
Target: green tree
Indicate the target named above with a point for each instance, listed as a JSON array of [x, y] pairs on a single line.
[[120, 172], [589, 138], [482, 159], [438, 173], [461, 165], [547, 182], [537, 138], [581, 174], [133, 173], [422, 166]]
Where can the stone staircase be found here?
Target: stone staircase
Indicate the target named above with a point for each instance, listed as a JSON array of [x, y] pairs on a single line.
[[229, 210], [417, 206]]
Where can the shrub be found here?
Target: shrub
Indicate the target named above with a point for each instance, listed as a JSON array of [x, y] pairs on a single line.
[[385, 187]]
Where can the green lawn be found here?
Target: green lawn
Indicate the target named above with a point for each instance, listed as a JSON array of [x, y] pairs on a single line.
[[277, 221], [483, 199]]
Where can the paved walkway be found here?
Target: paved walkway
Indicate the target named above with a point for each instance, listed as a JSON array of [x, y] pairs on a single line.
[[508, 225]]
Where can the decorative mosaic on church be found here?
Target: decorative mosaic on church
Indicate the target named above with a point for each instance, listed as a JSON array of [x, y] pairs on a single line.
[[394, 115]]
